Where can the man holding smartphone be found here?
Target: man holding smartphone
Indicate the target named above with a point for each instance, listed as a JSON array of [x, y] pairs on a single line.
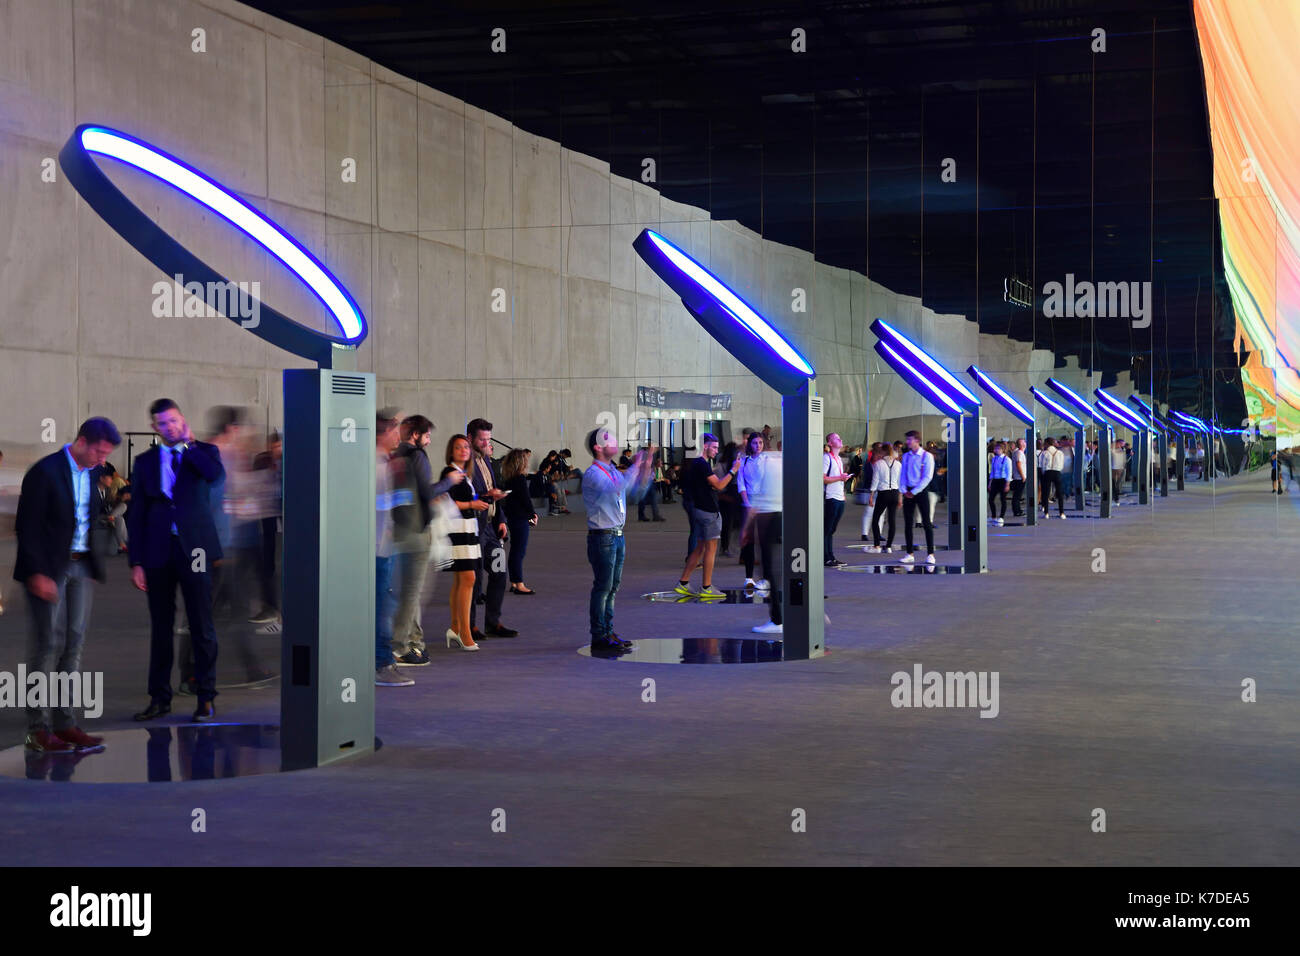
[[491, 577]]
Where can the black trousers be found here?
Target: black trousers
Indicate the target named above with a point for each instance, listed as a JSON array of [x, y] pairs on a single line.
[[488, 579], [920, 501], [997, 492], [887, 502], [196, 592], [1052, 489], [1017, 497], [767, 532]]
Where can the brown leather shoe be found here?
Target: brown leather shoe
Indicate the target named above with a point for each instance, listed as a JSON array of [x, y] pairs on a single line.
[[42, 741], [83, 742]]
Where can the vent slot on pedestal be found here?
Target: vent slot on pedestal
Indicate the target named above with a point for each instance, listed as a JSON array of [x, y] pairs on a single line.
[[348, 384]]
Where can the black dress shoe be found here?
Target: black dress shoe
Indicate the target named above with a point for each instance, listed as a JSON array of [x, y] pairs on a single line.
[[615, 639], [154, 711], [480, 599], [475, 633], [205, 712], [500, 630]]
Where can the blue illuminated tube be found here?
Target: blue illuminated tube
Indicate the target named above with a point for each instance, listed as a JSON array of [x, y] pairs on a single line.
[[726, 316], [1117, 411], [1188, 422], [1056, 407], [924, 365], [1007, 400], [1075, 399], [1150, 414], [913, 377], [151, 241]]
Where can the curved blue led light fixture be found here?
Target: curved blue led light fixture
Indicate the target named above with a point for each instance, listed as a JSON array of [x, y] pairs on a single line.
[[162, 250], [726, 316], [922, 363], [1112, 407], [1007, 400], [913, 376], [1190, 421], [1075, 399], [1151, 418], [1056, 407]]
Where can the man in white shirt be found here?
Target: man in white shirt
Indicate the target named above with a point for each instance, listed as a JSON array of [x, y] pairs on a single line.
[[1050, 461], [1019, 475], [886, 475], [917, 472], [1118, 459], [763, 480], [833, 477]]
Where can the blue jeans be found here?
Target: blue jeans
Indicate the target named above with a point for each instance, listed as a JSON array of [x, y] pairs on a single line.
[[384, 607], [56, 639], [605, 552]]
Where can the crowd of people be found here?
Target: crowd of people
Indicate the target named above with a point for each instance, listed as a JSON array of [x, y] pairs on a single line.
[[220, 500]]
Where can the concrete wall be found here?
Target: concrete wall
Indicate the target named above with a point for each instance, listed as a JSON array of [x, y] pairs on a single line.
[[449, 204]]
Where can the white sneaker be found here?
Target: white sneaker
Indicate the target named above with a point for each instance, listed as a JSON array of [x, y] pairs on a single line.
[[871, 549], [907, 559], [768, 628], [887, 550], [929, 559], [1062, 517], [749, 583], [1001, 521], [762, 585]]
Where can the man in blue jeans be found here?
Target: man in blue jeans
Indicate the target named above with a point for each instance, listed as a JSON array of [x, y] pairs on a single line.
[[605, 491]]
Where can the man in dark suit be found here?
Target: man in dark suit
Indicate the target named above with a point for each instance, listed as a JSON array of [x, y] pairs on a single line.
[[491, 576], [55, 524], [172, 541]]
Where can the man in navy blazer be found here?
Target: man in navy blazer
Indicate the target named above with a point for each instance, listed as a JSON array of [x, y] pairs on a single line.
[[57, 513], [172, 541]]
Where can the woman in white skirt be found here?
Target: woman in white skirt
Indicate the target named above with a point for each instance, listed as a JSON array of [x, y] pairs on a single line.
[[466, 556]]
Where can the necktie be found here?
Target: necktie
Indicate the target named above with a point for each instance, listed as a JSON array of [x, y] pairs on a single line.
[[176, 464]]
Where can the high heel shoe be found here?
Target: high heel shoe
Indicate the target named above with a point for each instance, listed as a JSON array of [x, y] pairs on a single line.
[[453, 636]]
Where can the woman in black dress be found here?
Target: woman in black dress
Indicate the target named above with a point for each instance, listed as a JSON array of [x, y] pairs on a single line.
[[466, 556]]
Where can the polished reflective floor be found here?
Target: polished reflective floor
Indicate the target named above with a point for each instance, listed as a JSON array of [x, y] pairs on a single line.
[[730, 596], [157, 754], [919, 568], [703, 650]]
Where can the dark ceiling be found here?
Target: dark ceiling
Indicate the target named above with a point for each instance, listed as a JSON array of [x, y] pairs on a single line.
[[1067, 161]]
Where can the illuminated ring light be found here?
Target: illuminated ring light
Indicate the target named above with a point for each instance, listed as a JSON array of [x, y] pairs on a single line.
[[1151, 415], [151, 241], [1059, 410], [937, 377], [1117, 411], [731, 320], [1077, 400], [910, 374], [1002, 395], [1190, 422]]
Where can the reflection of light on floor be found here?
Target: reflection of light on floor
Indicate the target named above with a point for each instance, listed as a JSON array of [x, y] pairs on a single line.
[[703, 650], [157, 753], [729, 596], [921, 568]]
